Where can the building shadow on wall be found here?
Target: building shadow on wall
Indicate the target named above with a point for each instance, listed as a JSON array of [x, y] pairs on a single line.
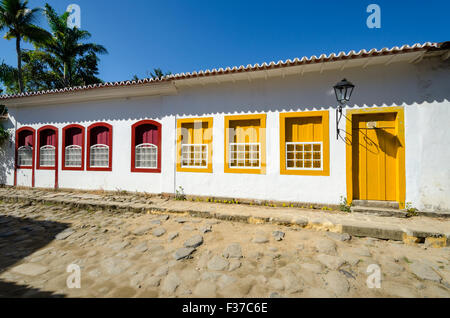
[[313, 91], [385, 141], [6, 155], [6, 161], [390, 143], [19, 238]]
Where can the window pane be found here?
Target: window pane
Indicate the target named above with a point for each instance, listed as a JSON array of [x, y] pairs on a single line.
[[304, 155], [196, 155], [99, 156], [25, 156], [73, 156], [244, 155], [146, 156], [317, 164], [47, 156]]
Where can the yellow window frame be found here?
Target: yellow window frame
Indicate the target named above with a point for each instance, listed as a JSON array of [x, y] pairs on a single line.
[[262, 141], [325, 143], [202, 120]]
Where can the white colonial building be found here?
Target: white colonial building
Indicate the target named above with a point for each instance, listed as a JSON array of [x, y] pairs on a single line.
[[265, 132]]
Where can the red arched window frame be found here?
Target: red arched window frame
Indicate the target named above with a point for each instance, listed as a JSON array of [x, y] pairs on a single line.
[[64, 145], [18, 133], [110, 145], [16, 166], [40, 144], [156, 143]]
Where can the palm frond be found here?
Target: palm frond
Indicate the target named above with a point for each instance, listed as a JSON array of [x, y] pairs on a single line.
[[32, 33]]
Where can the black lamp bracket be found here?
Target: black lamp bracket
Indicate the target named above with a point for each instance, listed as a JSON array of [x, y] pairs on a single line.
[[338, 119]]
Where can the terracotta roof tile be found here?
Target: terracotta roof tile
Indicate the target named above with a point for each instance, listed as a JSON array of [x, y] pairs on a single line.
[[249, 68]]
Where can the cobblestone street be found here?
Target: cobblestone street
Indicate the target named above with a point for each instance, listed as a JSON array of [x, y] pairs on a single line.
[[125, 254]]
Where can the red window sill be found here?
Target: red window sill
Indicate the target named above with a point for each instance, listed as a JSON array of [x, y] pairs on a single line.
[[45, 168], [73, 168], [98, 169], [146, 170]]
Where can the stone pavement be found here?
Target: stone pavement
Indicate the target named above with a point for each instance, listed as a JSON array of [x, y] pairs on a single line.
[[435, 231], [126, 254]]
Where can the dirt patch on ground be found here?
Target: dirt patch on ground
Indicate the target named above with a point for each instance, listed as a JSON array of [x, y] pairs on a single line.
[[137, 255]]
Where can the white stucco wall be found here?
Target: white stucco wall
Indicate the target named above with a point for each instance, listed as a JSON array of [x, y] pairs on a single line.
[[44, 179], [428, 156], [24, 177], [423, 90]]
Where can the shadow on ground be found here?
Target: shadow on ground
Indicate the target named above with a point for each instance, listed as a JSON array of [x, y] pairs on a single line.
[[13, 290], [19, 238]]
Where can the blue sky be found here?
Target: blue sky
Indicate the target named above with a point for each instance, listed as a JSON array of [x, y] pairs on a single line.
[[183, 36]]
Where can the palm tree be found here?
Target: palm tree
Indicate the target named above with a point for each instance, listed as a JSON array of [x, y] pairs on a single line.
[[156, 74], [74, 58], [18, 20]]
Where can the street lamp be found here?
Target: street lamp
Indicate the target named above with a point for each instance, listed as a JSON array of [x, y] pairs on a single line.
[[343, 91]]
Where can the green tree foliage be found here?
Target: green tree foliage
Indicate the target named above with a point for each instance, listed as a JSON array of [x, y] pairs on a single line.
[[72, 61], [64, 59], [4, 134], [157, 73], [19, 22], [8, 78]]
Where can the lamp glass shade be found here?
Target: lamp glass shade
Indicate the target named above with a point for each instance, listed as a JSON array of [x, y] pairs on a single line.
[[343, 91]]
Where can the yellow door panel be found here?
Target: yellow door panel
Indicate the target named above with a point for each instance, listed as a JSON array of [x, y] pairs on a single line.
[[356, 163], [375, 148], [373, 165], [375, 121], [381, 156], [391, 151]]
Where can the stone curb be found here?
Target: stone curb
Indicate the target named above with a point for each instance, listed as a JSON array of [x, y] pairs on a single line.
[[408, 236], [254, 202], [435, 214]]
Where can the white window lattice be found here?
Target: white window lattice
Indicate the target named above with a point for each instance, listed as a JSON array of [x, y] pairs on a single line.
[[304, 156], [99, 156], [244, 155], [194, 156], [47, 156], [146, 156], [25, 156], [73, 156]]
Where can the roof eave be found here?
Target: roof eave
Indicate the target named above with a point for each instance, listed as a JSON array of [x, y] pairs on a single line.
[[168, 84], [107, 93]]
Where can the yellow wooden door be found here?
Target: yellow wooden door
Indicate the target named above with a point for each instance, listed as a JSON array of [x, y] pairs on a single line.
[[375, 152]]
